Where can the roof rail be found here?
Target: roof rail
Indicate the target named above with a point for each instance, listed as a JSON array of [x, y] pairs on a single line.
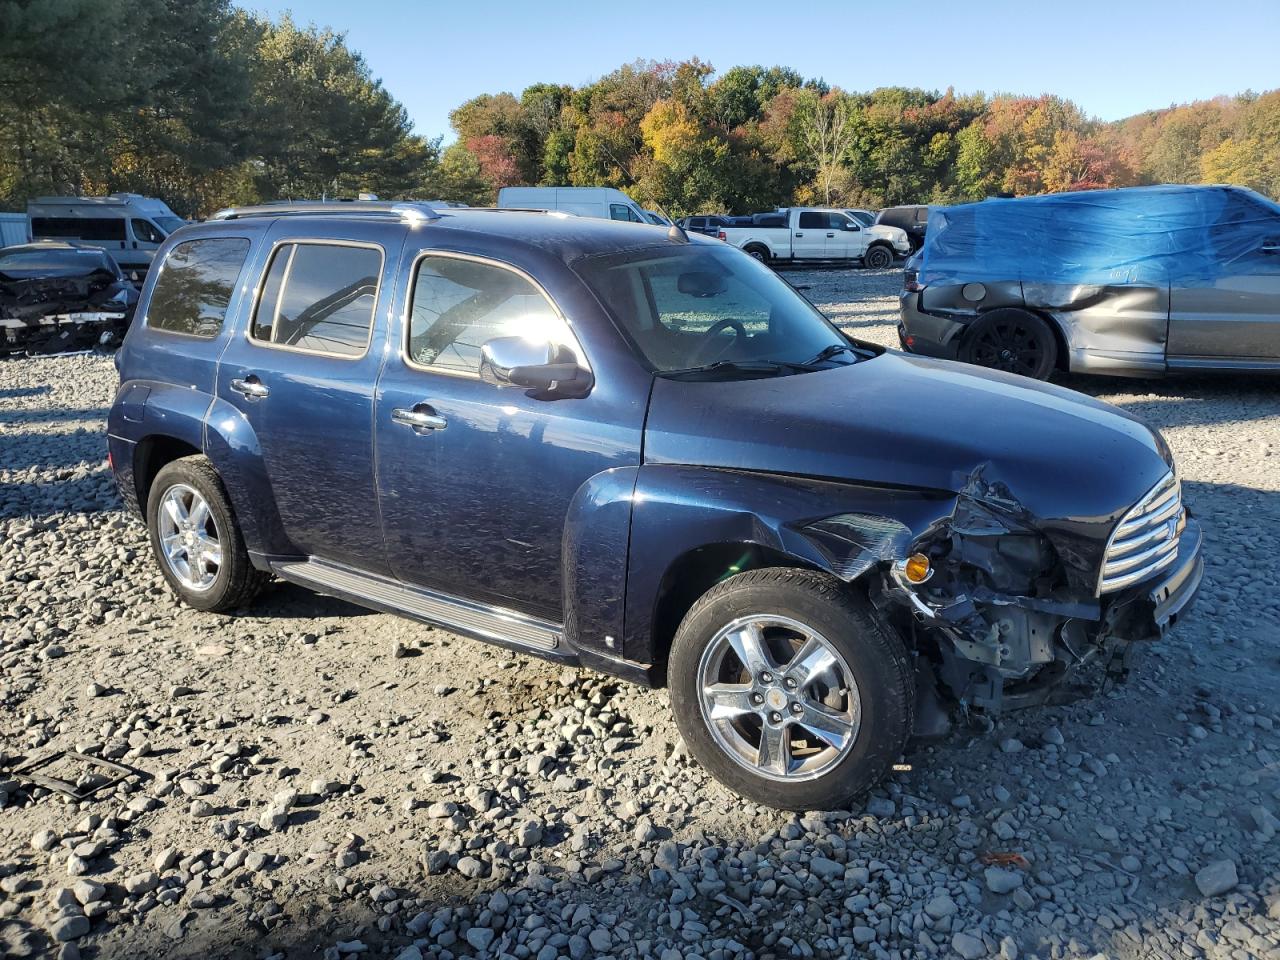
[[410, 210]]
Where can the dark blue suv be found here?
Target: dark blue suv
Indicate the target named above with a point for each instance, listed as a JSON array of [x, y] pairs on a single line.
[[640, 451]]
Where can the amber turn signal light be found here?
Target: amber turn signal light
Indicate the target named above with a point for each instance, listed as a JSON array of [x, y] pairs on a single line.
[[917, 568]]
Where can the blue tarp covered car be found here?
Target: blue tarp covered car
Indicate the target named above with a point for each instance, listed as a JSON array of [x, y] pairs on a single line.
[[1135, 281]]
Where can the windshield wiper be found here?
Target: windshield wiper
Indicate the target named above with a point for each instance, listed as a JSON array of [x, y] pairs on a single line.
[[826, 353], [734, 366]]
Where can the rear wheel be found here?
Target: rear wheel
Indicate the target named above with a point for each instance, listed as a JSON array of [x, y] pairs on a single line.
[[789, 689], [1011, 340], [196, 540], [758, 253], [878, 258]]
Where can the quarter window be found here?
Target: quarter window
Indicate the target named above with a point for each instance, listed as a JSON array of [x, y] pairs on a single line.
[[459, 304], [319, 297], [195, 285]]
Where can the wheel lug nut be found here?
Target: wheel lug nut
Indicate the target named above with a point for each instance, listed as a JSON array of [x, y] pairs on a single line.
[[766, 677], [775, 718], [757, 698], [789, 683], [797, 708]]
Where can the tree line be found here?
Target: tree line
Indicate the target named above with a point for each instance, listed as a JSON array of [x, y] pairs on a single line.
[[206, 105]]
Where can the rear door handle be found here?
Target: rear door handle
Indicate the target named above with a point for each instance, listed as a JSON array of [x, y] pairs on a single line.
[[799, 234], [421, 418], [251, 388], [830, 234]]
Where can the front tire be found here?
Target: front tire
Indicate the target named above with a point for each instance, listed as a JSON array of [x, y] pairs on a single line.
[[878, 258], [196, 540], [1011, 340], [790, 689]]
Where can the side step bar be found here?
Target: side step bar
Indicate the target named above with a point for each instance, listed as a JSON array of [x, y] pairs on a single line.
[[476, 619]]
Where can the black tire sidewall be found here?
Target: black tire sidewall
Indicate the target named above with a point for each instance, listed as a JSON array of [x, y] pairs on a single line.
[[1049, 355], [187, 472], [876, 253], [885, 687]]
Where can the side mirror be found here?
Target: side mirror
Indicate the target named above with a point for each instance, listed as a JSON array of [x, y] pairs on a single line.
[[536, 365], [851, 225]]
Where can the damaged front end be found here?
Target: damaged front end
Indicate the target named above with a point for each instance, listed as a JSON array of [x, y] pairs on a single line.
[[995, 602]]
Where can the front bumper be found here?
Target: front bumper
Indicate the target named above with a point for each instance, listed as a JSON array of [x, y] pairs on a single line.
[[925, 333]]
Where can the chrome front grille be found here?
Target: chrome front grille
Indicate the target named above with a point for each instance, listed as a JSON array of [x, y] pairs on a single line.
[[1146, 539]]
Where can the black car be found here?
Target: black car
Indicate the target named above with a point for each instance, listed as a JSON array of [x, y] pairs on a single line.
[[913, 219], [57, 294], [709, 225]]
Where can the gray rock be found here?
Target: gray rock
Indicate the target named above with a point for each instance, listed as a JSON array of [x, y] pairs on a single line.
[[471, 867], [480, 938], [1000, 880], [940, 906], [881, 807], [825, 868], [600, 939], [667, 856], [140, 883], [968, 946], [86, 891], [1216, 877], [69, 927]]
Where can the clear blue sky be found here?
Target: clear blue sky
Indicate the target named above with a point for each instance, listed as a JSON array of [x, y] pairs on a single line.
[[1112, 58]]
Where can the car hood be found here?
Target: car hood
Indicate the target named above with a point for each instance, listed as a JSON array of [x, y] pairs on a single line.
[[910, 422], [895, 235]]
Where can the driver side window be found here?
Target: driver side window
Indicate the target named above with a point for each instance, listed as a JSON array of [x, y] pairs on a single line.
[[459, 304]]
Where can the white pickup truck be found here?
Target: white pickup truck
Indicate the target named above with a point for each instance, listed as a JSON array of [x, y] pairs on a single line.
[[814, 234]]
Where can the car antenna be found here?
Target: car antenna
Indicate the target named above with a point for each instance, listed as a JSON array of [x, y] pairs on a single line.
[[676, 234]]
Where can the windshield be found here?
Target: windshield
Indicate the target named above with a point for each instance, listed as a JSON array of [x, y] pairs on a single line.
[[862, 216], [692, 305], [169, 224]]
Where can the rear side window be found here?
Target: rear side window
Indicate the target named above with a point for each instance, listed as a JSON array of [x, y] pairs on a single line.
[[459, 304], [319, 297], [812, 220], [195, 285], [81, 228]]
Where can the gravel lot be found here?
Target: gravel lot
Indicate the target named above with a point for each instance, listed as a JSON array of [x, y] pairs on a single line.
[[316, 780]]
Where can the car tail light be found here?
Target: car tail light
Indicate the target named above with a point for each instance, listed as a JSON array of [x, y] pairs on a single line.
[[911, 283], [721, 235]]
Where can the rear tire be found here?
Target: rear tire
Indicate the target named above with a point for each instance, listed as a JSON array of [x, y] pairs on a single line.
[[838, 718], [196, 540], [758, 253], [878, 258], [1012, 340]]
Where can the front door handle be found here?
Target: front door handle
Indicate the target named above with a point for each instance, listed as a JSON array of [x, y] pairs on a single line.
[[420, 418], [251, 388], [799, 234], [830, 234]]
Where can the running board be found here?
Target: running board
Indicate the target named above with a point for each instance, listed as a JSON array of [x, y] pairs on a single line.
[[465, 616]]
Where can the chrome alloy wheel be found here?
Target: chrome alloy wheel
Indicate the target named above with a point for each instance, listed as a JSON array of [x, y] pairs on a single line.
[[189, 537], [778, 698]]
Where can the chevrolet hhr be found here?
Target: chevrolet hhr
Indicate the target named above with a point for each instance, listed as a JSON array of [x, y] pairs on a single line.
[[639, 451]]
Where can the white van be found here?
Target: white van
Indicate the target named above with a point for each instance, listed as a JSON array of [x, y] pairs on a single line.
[[605, 203], [128, 226]]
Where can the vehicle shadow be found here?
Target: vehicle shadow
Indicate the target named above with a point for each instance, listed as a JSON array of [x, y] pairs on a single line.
[[18, 417], [1185, 401], [10, 393]]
